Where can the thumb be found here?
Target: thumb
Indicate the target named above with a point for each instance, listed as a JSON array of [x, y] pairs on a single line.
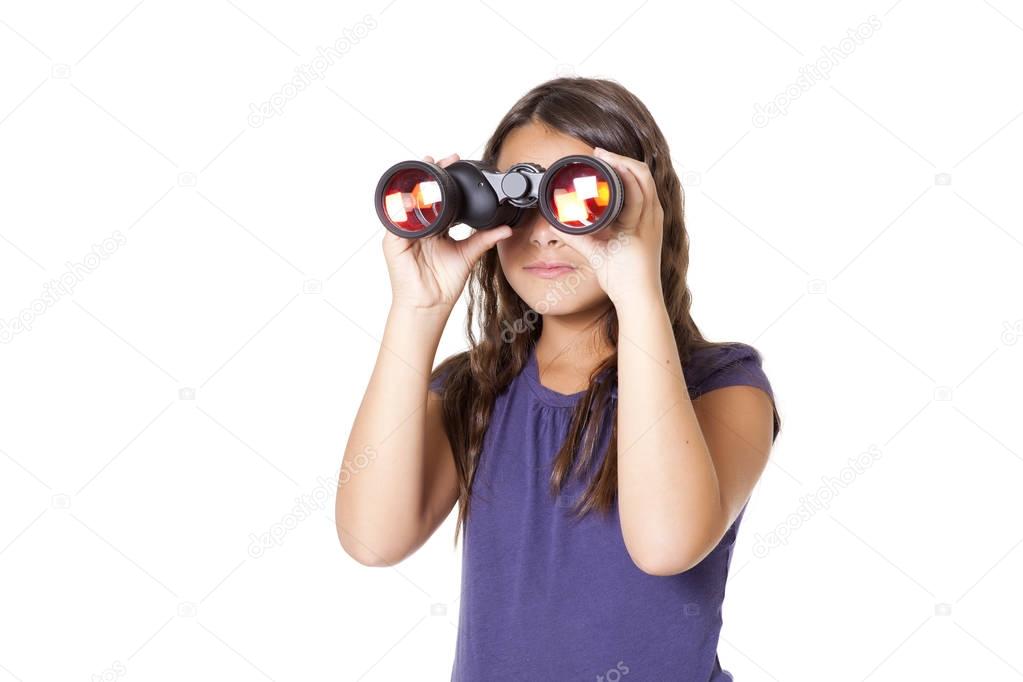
[[480, 241]]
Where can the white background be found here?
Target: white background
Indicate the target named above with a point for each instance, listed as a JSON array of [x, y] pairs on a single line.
[[176, 401]]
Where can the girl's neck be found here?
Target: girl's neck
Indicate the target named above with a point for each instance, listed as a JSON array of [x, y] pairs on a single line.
[[576, 340]]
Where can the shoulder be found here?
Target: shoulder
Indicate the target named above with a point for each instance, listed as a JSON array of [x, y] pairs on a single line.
[[727, 364], [439, 375], [454, 365]]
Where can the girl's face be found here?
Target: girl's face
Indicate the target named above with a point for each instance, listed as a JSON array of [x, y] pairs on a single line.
[[535, 244]]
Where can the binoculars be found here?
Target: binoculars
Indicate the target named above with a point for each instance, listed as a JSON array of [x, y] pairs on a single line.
[[578, 194]]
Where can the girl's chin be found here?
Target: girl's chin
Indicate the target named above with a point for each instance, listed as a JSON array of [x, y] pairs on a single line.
[[565, 305], [559, 297]]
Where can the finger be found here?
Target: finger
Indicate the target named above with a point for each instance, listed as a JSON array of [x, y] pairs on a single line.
[[640, 169], [392, 244], [650, 203], [635, 201], [640, 177], [448, 160], [428, 159], [480, 241]]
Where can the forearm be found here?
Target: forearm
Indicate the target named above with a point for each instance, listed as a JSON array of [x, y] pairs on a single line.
[[381, 485], [669, 498]]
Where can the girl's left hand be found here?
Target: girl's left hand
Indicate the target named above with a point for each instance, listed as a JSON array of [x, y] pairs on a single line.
[[625, 256]]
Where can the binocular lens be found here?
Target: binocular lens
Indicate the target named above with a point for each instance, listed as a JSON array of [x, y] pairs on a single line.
[[412, 199], [580, 194]]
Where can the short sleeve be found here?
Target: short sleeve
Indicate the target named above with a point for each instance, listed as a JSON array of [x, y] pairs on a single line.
[[736, 364]]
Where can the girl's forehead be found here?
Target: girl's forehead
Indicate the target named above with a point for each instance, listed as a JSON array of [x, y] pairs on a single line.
[[537, 144]]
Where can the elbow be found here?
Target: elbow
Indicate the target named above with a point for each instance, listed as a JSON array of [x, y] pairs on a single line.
[[365, 544], [663, 563], [665, 550], [370, 539], [665, 557], [372, 560], [365, 555], [358, 540]]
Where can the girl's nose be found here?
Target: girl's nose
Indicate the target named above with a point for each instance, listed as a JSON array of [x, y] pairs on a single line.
[[542, 233]]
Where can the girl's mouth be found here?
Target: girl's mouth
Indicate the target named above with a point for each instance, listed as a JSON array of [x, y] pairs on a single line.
[[549, 270]]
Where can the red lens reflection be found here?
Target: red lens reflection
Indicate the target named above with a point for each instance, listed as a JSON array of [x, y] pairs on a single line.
[[412, 199], [578, 195]]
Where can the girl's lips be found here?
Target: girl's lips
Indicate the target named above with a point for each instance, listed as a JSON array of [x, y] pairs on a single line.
[[549, 272]]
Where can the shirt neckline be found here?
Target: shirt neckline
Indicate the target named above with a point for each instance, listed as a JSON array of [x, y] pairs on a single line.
[[549, 395]]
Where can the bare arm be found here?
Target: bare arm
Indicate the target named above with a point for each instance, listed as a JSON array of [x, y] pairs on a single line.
[[398, 479], [401, 480], [685, 468]]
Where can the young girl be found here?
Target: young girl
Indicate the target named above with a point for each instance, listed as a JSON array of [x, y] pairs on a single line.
[[601, 451]]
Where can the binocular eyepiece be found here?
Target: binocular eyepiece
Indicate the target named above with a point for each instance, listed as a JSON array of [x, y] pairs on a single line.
[[578, 194]]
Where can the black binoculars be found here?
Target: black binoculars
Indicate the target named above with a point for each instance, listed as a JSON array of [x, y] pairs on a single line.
[[578, 194]]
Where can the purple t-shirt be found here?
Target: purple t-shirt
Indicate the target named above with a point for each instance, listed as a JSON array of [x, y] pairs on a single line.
[[547, 597]]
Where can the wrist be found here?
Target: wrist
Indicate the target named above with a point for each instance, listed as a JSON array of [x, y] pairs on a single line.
[[413, 334], [637, 293], [413, 310], [425, 325]]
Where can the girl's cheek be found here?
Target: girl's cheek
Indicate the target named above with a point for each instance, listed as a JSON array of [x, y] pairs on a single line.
[[503, 256], [506, 247], [509, 251]]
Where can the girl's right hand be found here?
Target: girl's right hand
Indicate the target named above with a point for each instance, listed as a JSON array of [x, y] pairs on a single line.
[[430, 272]]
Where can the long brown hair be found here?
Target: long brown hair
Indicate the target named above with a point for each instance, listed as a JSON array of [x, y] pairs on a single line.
[[604, 114]]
